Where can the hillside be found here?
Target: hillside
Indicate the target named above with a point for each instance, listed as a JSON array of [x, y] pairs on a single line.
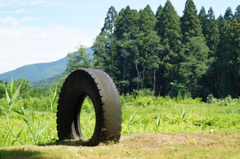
[[49, 81], [41, 74], [36, 72]]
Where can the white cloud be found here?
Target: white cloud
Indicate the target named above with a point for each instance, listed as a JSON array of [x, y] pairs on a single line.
[[17, 11], [21, 11], [28, 19], [47, 2], [21, 45], [9, 20], [18, 3], [12, 21]]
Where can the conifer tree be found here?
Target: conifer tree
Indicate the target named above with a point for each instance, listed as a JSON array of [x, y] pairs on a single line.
[[211, 32], [126, 30], [190, 23], [224, 83], [194, 65], [203, 20], [104, 48], [223, 24], [126, 23], [194, 55], [110, 21], [153, 48], [158, 19], [99, 48], [170, 33], [228, 14], [237, 13], [159, 12], [230, 74], [212, 40], [147, 22]]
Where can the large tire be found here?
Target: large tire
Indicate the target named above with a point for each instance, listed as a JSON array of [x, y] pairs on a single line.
[[102, 91]]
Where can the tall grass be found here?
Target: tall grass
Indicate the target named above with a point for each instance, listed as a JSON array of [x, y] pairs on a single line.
[[53, 99], [87, 118], [33, 120], [23, 126], [158, 114], [11, 97]]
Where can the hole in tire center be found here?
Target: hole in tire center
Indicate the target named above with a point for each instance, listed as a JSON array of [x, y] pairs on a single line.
[[87, 118]]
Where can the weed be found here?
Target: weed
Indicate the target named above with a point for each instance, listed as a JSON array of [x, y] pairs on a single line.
[[11, 97], [158, 123], [53, 99]]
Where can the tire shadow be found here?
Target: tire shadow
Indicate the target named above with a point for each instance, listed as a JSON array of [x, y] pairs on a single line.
[[19, 153], [79, 142]]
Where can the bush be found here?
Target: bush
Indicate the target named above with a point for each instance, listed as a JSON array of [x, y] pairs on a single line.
[[211, 99], [143, 93]]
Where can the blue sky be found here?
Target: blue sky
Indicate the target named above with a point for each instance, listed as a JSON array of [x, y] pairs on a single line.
[[35, 31]]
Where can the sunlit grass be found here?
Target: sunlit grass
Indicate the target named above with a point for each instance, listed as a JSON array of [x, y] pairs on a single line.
[[156, 115], [87, 118]]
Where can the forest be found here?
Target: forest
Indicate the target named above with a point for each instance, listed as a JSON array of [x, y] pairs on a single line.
[[196, 54]]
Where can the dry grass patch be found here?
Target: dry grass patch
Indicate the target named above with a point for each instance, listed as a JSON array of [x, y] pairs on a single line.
[[146, 145]]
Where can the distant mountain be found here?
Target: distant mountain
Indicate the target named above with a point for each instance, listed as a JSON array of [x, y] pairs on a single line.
[[49, 81], [41, 74], [36, 72]]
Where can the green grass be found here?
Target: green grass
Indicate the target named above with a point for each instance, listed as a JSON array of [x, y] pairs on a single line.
[[184, 120], [140, 115], [32, 128], [87, 118], [168, 115]]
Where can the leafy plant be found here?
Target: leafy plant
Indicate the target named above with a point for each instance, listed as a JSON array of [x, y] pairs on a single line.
[[158, 123], [53, 99], [11, 97], [211, 99]]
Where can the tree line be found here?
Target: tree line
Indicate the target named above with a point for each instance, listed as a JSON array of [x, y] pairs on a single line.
[[196, 54]]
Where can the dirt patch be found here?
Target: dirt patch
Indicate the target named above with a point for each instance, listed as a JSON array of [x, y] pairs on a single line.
[[186, 139]]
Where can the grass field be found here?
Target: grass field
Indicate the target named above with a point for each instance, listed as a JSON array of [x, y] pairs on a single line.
[[153, 127]]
